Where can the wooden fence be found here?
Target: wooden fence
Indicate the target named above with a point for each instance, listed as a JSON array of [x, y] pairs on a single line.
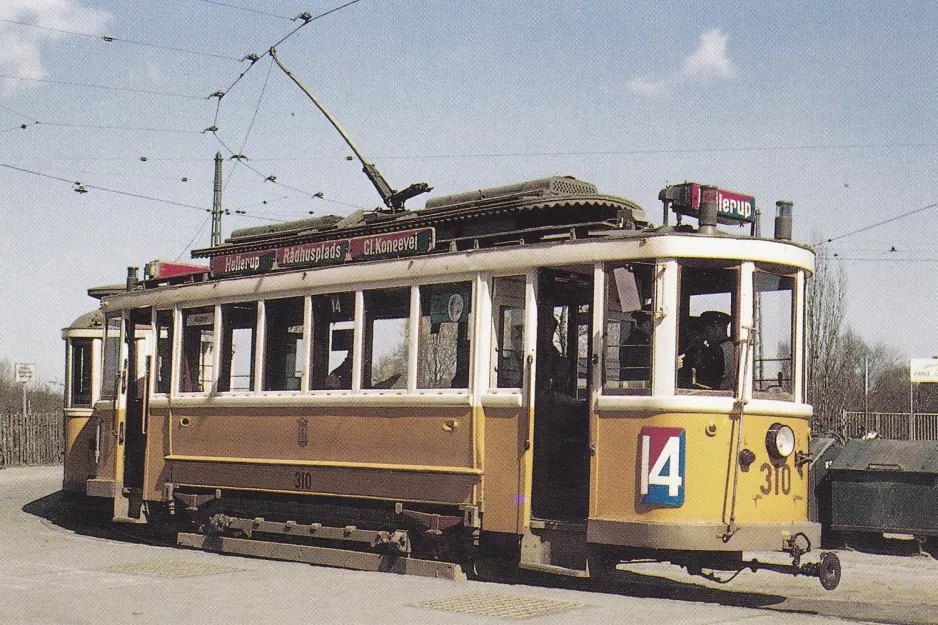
[[31, 439]]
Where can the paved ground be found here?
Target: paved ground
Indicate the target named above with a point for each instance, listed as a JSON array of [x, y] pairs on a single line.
[[52, 574]]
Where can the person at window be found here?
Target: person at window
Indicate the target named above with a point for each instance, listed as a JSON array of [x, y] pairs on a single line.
[[635, 352], [722, 373], [341, 376]]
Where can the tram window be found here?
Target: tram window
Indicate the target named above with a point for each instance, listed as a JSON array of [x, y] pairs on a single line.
[[331, 349], [198, 333], [706, 340], [283, 348], [80, 380], [387, 314], [774, 301], [164, 349], [238, 322], [508, 308], [628, 322], [112, 347], [443, 346]]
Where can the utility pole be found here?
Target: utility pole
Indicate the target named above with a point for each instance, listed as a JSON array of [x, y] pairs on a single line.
[[216, 203]]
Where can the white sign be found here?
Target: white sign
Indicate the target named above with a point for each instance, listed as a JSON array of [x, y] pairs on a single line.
[[25, 372], [924, 370]]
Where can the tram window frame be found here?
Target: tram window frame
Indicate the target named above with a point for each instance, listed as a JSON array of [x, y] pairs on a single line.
[[445, 328], [236, 318], [284, 335], [786, 386], [81, 359], [380, 306], [626, 301], [333, 332], [202, 361], [111, 355], [722, 284], [164, 351], [509, 320]]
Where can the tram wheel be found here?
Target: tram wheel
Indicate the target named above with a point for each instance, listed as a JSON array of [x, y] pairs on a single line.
[[829, 571]]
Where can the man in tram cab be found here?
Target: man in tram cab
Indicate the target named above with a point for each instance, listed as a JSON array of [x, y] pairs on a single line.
[[716, 335], [635, 351]]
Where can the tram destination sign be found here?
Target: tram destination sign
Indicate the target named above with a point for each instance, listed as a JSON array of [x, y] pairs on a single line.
[[732, 207], [325, 253]]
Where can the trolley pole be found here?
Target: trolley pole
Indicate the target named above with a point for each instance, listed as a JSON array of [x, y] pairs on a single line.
[[216, 203]]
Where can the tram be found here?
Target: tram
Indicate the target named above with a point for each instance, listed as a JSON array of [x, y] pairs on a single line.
[[530, 374]]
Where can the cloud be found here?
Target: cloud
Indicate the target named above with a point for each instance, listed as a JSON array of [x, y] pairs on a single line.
[[20, 53], [709, 62]]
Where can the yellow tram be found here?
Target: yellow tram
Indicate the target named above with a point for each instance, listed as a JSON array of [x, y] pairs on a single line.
[[531, 375]]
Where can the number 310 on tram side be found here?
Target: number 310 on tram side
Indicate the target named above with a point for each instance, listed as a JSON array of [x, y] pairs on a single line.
[[530, 376]]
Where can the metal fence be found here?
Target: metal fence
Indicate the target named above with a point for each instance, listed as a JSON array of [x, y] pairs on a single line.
[[36, 438], [891, 425]]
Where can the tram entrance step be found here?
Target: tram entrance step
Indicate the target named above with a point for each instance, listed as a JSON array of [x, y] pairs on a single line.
[[322, 556]]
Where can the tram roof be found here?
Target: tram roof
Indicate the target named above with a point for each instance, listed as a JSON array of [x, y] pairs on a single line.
[[521, 213]]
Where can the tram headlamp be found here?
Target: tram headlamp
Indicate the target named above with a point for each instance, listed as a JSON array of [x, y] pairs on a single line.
[[780, 441]]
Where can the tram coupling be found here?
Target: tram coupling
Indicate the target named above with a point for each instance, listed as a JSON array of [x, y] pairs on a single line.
[[827, 570]]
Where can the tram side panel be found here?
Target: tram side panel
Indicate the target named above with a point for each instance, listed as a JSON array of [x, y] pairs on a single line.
[[392, 453], [666, 481]]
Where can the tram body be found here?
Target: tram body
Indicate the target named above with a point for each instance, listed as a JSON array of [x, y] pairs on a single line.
[[469, 380]]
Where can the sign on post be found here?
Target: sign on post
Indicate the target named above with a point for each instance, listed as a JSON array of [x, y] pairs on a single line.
[[923, 370], [25, 372]]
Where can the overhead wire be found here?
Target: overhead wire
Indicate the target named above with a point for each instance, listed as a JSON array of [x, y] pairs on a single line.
[[240, 8], [106, 87], [110, 39], [877, 224], [105, 189]]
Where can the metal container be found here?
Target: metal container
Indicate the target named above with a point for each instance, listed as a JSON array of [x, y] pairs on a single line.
[[885, 486]]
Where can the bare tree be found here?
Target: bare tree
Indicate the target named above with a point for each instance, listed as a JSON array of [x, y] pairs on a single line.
[[826, 295]]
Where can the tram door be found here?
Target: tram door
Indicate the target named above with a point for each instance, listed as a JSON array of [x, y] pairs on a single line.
[[560, 480], [137, 379]]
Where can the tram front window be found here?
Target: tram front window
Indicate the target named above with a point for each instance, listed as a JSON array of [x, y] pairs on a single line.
[[706, 330], [774, 313], [628, 337]]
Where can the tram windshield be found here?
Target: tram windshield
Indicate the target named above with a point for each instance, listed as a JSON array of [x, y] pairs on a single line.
[[774, 314], [628, 344], [707, 328]]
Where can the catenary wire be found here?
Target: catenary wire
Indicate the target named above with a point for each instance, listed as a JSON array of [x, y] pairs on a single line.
[[110, 39], [240, 8], [106, 87], [876, 225]]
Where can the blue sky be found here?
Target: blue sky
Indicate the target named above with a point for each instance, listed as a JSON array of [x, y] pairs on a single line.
[[830, 105]]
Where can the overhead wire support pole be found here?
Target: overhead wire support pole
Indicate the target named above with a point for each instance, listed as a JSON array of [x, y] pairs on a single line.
[[216, 203], [394, 200]]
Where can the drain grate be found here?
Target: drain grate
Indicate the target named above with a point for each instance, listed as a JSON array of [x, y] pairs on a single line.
[[172, 568], [502, 606]]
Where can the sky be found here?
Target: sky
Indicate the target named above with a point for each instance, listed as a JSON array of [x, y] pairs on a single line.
[[829, 105]]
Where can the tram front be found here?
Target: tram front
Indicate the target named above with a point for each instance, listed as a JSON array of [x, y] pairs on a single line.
[[700, 430]]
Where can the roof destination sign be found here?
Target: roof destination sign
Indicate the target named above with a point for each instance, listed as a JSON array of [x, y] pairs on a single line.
[[732, 207], [325, 253]]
